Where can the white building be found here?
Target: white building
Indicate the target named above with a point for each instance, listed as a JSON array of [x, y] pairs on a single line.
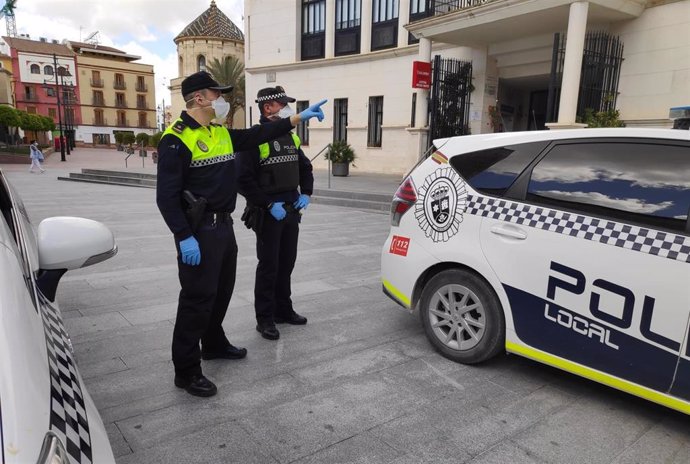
[[633, 54]]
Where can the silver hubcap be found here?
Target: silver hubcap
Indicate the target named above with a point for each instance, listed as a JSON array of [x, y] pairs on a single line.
[[457, 317]]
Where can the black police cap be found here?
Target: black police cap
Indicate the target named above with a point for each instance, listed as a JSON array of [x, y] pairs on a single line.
[[273, 94], [202, 80]]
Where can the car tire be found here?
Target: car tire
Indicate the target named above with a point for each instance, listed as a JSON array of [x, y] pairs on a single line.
[[462, 317]]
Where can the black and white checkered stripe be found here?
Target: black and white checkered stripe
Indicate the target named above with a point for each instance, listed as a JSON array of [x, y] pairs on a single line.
[[213, 160], [280, 159], [275, 96], [653, 242], [67, 409]]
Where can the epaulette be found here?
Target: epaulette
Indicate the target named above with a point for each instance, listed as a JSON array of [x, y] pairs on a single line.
[[216, 124], [179, 126]]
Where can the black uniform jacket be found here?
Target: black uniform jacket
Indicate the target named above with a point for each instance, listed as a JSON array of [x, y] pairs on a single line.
[[248, 177], [215, 182]]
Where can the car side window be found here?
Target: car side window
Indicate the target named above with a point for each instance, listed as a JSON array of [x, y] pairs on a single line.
[[646, 183], [494, 170]]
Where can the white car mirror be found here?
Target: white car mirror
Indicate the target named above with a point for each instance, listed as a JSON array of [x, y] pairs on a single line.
[[71, 243]]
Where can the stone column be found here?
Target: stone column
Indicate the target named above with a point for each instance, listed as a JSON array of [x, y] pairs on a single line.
[[365, 39], [330, 28], [403, 19], [572, 66]]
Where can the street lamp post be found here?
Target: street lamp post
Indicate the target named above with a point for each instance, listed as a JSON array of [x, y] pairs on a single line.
[[57, 94], [65, 105]]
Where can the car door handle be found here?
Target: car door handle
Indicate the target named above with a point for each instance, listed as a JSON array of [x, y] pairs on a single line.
[[512, 232]]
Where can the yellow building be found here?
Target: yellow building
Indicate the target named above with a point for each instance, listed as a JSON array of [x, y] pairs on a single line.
[[6, 89], [116, 94], [210, 36]]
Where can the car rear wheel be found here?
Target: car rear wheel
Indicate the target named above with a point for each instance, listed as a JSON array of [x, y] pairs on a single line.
[[462, 317]]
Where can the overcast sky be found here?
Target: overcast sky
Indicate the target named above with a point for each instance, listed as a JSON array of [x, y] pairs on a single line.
[[140, 27]]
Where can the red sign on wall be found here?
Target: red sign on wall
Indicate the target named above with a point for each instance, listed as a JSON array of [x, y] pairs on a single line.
[[399, 245], [421, 75]]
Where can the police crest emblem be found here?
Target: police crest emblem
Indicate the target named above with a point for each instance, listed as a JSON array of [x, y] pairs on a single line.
[[202, 146], [442, 202], [276, 145]]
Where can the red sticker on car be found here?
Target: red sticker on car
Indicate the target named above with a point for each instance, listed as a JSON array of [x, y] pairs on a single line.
[[399, 245]]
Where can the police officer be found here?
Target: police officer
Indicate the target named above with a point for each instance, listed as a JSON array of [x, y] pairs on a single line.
[[196, 159], [276, 177]]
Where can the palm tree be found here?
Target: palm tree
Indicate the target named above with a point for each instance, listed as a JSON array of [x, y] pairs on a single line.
[[230, 71]]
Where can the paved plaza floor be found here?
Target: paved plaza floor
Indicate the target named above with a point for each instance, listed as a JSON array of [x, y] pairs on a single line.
[[358, 384]]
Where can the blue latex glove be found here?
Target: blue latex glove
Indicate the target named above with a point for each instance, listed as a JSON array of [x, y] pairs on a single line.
[[314, 111], [302, 202], [278, 212], [191, 254]]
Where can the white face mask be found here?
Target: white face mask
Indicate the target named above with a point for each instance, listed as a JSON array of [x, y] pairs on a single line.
[[220, 107], [286, 112]]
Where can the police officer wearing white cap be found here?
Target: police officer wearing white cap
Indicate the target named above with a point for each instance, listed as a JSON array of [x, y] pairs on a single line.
[[196, 159]]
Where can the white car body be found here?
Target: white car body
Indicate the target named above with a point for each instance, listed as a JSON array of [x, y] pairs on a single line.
[[598, 296], [43, 400]]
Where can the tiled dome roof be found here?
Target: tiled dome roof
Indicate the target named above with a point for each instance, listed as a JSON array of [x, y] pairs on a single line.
[[212, 23]]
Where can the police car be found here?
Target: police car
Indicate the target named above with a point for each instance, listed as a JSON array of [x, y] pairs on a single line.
[[568, 247], [46, 415]]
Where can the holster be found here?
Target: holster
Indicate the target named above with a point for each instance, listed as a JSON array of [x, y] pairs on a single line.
[[253, 217], [196, 206]]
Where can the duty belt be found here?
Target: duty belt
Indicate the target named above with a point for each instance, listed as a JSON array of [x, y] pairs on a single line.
[[218, 216]]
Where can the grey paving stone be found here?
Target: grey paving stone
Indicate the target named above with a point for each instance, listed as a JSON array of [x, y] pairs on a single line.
[[593, 430], [667, 442], [149, 314], [360, 449], [77, 327], [124, 341], [227, 444], [117, 441], [506, 452], [99, 368]]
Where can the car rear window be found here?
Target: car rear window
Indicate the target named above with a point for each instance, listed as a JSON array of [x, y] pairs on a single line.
[[494, 170]]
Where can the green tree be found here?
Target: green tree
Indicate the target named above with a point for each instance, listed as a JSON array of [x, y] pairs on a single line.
[[8, 116], [47, 123], [143, 138], [230, 71], [156, 138]]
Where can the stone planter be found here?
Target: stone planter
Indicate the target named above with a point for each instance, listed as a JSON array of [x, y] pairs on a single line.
[[341, 169]]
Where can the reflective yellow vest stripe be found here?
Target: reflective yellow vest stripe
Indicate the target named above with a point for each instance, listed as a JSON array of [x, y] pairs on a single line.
[[207, 146], [265, 149]]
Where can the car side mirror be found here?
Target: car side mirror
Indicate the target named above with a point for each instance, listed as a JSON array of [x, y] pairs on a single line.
[[66, 243]]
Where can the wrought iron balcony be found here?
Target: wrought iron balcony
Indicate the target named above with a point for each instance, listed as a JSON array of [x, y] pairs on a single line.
[[119, 85], [96, 82], [439, 7], [121, 104], [142, 87], [98, 102], [142, 105], [101, 121], [32, 97]]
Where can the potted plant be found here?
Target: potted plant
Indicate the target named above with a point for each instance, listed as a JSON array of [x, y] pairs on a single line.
[[341, 154], [142, 139], [118, 141]]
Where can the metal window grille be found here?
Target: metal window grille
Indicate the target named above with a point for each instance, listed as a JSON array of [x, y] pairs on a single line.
[[375, 129], [450, 98], [303, 127], [600, 75], [313, 29], [340, 119]]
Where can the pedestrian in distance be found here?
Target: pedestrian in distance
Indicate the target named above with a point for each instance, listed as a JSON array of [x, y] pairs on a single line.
[[277, 181], [36, 156], [196, 193]]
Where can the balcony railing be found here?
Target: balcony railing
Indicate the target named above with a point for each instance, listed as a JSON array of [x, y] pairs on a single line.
[[121, 104], [142, 87], [142, 106], [384, 34], [96, 82], [439, 7], [347, 41], [30, 97], [313, 46], [123, 123], [119, 85], [98, 102], [101, 122]]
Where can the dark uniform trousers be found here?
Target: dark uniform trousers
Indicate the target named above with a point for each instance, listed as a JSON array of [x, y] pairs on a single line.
[[276, 249], [205, 295]]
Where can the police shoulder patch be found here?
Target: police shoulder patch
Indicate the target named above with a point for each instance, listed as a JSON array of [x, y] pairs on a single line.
[[202, 146], [178, 127]]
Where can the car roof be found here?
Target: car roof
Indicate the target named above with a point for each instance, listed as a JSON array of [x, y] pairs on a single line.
[[466, 143]]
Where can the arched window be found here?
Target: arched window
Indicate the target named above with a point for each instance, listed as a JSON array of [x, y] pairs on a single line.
[[180, 71], [48, 70], [201, 63], [35, 69]]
